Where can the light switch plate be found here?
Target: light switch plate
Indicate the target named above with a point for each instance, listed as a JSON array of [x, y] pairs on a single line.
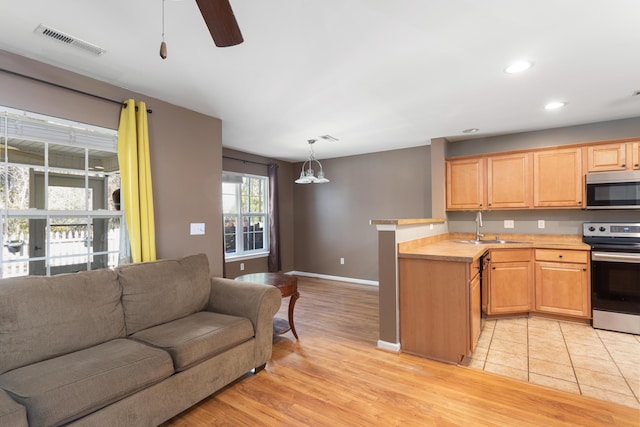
[[197, 228], [541, 223], [509, 223]]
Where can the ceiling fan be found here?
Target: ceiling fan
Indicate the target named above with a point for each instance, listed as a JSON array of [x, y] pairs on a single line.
[[220, 20]]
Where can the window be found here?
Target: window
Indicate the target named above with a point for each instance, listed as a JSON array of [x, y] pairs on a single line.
[[244, 207], [56, 208]]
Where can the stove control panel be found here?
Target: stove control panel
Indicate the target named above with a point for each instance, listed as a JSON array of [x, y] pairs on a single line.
[[610, 229]]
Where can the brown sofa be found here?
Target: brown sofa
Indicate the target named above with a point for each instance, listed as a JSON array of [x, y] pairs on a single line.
[[132, 346]]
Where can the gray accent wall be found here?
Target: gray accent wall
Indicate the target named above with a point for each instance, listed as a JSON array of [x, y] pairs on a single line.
[[592, 132], [331, 221]]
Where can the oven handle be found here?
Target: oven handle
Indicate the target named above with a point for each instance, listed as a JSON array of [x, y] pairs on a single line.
[[616, 257]]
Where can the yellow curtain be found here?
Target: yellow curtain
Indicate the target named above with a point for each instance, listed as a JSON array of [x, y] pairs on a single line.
[[135, 176]]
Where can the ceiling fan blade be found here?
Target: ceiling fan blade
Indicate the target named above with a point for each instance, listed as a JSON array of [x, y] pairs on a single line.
[[221, 22]]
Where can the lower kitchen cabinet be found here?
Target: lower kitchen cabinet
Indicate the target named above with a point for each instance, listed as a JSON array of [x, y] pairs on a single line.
[[510, 279], [439, 306], [562, 283]]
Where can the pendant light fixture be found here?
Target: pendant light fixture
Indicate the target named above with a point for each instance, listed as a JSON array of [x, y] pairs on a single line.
[[307, 176]]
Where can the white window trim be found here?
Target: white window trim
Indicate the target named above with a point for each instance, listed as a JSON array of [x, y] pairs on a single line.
[[256, 253]]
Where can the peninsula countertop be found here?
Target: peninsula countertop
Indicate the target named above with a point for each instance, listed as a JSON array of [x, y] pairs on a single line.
[[447, 248]]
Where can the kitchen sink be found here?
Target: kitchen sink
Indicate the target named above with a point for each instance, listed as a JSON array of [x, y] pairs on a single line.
[[489, 242]]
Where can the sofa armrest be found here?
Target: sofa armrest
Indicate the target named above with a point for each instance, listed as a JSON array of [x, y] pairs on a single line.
[[257, 302]]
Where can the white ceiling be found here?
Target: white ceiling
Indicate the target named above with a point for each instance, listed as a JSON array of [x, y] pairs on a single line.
[[376, 74]]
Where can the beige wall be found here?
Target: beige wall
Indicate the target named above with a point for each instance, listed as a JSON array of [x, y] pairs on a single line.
[[186, 149], [332, 220], [256, 165]]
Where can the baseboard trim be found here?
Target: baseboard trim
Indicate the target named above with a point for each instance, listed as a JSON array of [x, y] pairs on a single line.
[[336, 278], [389, 346]]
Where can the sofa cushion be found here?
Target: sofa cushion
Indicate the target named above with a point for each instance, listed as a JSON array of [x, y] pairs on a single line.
[[11, 413], [161, 291], [194, 338], [60, 390], [44, 317]]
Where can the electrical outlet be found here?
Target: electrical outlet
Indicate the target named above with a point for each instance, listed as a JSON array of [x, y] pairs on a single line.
[[342, 261], [509, 223], [242, 266], [541, 223]]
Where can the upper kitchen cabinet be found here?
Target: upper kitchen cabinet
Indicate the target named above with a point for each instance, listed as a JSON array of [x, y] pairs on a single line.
[[607, 157], [614, 156], [557, 178], [509, 181], [465, 184], [635, 155]]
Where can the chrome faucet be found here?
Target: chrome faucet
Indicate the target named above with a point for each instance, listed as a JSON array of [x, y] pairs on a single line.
[[478, 225]]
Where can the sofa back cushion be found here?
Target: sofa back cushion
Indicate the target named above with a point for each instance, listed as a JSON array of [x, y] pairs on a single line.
[[161, 291], [44, 317]]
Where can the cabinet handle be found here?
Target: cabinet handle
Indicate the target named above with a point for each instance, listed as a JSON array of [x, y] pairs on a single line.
[[636, 165], [493, 268], [559, 256], [623, 165], [580, 202], [584, 269]]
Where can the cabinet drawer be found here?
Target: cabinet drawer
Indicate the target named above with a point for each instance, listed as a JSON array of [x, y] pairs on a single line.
[[510, 255], [560, 255]]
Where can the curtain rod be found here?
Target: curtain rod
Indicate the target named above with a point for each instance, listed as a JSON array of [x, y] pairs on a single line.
[[67, 88], [245, 161]]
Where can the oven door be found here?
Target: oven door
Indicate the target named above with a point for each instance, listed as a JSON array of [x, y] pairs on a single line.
[[615, 280]]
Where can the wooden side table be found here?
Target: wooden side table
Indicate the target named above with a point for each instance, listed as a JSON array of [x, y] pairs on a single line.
[[288, 285]]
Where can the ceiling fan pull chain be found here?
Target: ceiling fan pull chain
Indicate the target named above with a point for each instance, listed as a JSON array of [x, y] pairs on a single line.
[[163, 45]]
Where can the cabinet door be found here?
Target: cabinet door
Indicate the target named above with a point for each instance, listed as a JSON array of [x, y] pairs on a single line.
[[635, 155], [465, 184], [509, 181], [563, 288], [475, 311], [557, 178], [510, 287], [606, 157]]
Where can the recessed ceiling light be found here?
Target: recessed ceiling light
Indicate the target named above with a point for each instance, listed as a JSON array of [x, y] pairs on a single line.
[[554, 105], [518, 67], [471, 130]]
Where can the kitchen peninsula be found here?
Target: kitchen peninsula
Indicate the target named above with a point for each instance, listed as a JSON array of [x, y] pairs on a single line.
[[439, 299]]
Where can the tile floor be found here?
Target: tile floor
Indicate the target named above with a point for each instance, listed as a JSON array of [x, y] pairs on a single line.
[[568, 356]]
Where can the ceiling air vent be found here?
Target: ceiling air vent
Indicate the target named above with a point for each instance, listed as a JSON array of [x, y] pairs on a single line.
[[69, 39]]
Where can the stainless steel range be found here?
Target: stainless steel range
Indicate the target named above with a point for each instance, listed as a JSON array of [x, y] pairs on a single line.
[[615, 274]]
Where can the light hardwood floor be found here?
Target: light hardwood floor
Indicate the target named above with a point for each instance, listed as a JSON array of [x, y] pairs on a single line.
[[335, 376]]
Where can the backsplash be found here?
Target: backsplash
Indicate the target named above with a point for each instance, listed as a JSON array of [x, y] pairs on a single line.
[[556, 221]]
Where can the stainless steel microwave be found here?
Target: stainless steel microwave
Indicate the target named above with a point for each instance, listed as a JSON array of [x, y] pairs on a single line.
[[613, 190]]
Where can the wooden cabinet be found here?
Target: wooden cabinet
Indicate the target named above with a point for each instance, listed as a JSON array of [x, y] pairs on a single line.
[[562, 282], [474, 297], [435, 306], [617, 156], [635, 155], [465, 184], [509, 181], [557, 178], [606, 157], [510, 281]]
